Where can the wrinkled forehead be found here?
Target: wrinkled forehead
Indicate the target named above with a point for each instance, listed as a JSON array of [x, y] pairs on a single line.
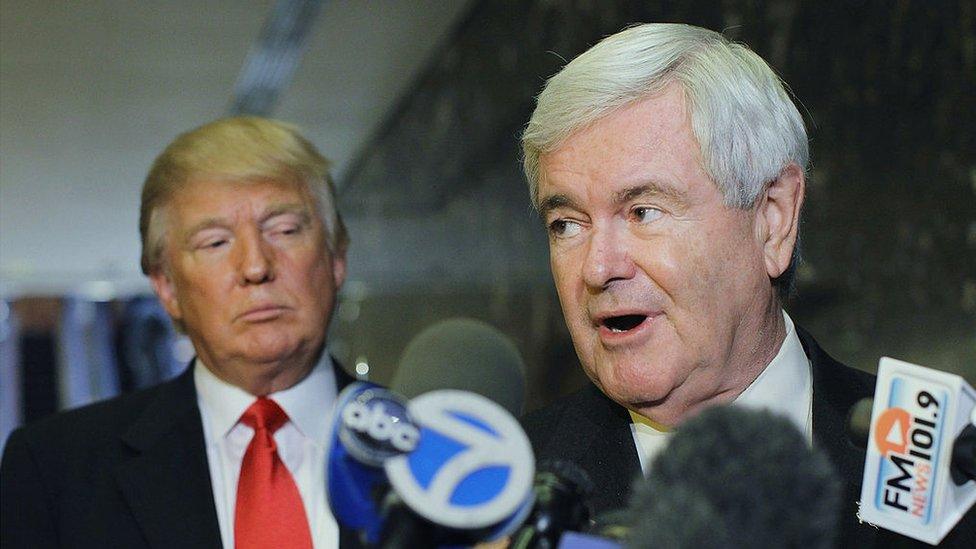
[[645, 147], [203, 200]]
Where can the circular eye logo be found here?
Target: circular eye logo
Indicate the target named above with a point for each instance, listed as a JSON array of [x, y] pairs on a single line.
[[473, 465], [375, 426], [891, 431]]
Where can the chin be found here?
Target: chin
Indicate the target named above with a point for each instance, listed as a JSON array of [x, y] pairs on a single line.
[[270, 349], [634, 382]]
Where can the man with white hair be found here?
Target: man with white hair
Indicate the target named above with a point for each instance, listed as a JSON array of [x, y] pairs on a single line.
[[244, 246], [669, 166]]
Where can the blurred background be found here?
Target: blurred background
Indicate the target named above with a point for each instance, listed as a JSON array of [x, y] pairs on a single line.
[[419, 103]]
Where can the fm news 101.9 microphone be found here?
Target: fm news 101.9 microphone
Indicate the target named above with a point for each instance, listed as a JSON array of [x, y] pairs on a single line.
[[920, 464]]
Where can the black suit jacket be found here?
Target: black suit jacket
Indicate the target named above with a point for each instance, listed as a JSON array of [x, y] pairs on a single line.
[[594, 432], [128, 472]]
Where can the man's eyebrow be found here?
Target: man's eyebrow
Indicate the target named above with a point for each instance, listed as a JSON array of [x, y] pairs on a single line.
[[286, 208], [646, 190], [649, 190], [555, 201], [208, 223], [271, 212]]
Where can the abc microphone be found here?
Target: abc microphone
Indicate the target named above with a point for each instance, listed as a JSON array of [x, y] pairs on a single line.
[[921, 453], [371, 425]]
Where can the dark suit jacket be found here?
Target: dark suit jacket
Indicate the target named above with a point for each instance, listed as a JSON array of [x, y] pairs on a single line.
[[128, 472], [594, 432]]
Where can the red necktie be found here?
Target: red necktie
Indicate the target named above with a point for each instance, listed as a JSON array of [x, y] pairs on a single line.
[[269, 509]]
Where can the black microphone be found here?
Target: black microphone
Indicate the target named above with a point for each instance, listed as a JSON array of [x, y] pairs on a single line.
[[859, 422], [561, 489], [736, 477], [463, 354]]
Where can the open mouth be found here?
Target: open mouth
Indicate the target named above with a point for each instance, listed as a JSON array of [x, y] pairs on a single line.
[[623, 323]]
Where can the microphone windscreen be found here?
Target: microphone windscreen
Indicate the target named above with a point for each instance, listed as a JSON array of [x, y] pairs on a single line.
[[736, 477], [859, 422], [463, 354]]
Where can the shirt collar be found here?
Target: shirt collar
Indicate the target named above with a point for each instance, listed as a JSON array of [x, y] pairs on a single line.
[[785, 386], [308, 403]]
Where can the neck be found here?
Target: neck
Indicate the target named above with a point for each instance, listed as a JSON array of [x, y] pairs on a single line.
[[761, 340], [757, 339], [261, 379]]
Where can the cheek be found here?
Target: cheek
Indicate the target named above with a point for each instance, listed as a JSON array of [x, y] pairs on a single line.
[[570, 289], [563, 276], [318, 282], [723, 270]]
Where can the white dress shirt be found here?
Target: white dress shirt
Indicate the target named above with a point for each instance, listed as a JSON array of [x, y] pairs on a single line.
[[785, 387], [301, 443]]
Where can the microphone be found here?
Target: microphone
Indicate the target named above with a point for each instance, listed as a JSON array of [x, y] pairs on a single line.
[[463, 354], [469, 476], [736, 477], [371, 425], [561, 488], [448, 467], [920, 466], [859, 422]]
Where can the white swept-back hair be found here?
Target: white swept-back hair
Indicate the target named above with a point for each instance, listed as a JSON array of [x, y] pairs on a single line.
[[747, 127]]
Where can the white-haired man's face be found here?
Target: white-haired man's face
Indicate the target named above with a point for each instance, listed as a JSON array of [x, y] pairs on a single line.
[[666, 290]]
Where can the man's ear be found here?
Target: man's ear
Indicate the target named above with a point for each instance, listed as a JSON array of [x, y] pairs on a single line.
[[166, 292], [778, 218], [339, 267]]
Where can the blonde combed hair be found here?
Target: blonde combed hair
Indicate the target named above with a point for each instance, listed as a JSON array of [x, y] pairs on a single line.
[[241, 149]]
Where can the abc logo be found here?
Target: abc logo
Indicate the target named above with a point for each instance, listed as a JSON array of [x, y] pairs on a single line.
[[473, 466], [375, 426]]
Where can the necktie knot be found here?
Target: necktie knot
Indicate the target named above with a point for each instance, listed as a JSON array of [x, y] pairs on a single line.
[[264, 413]]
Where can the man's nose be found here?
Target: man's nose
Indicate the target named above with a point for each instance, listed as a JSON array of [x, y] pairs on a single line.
[[256, 259], [607, 258]]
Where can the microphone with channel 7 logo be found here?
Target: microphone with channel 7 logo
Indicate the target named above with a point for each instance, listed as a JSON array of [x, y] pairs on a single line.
[[449, 467], [920, 469], [469, 478]]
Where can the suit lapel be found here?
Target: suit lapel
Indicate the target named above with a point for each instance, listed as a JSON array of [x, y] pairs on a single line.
[[167, 480], [342, 377], [596, 433], [617, 465], [836, 388]]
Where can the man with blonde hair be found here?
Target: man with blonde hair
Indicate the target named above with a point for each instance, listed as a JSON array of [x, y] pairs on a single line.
[[244, 247], [669, 166]]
